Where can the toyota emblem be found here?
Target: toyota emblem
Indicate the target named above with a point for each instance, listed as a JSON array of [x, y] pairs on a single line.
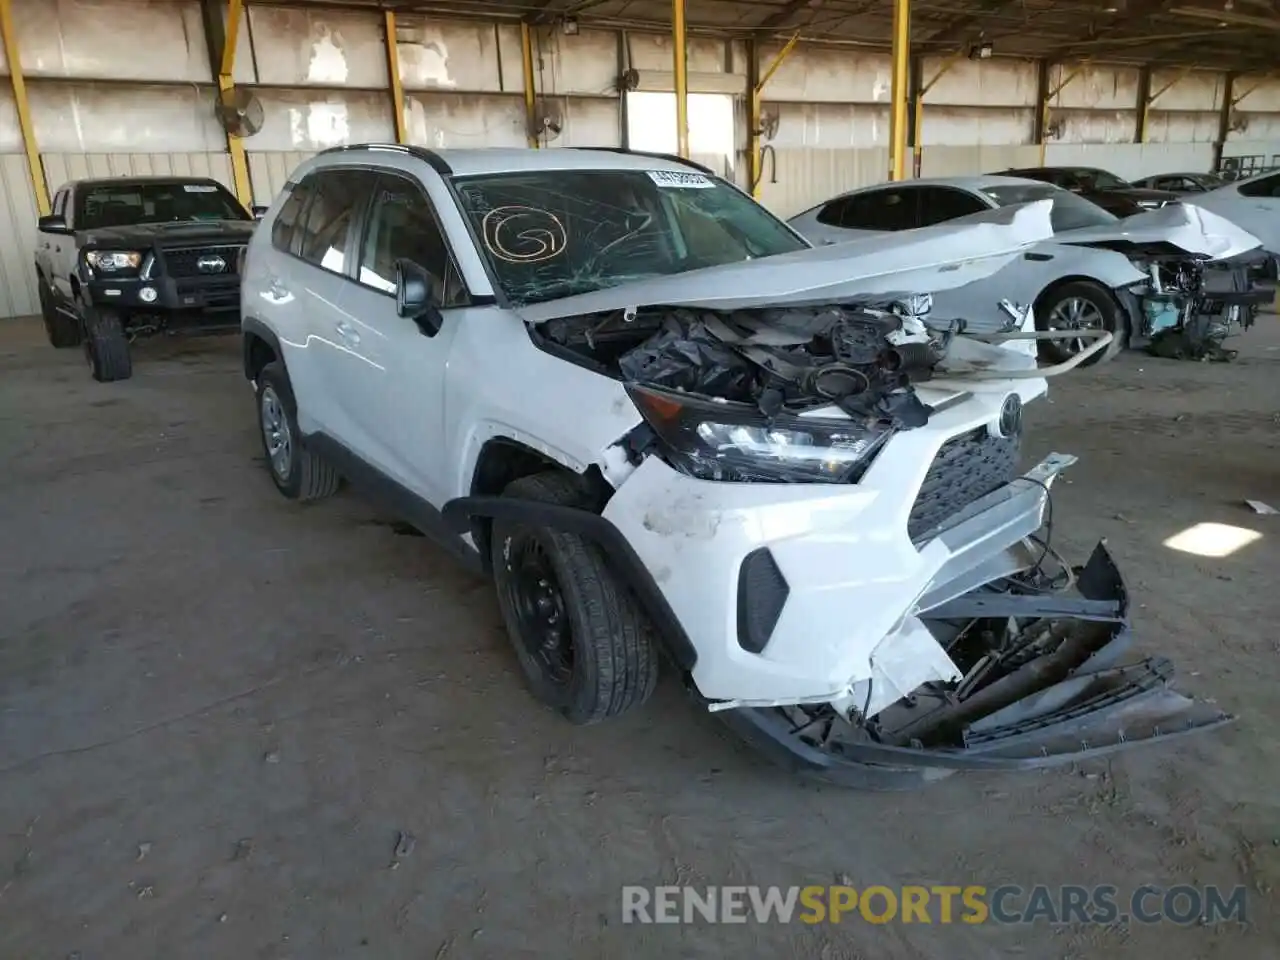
[[211, 264], [1010, 422]]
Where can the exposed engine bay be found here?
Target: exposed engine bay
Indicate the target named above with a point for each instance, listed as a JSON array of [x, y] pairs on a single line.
[[862, 357], [1190, 306]]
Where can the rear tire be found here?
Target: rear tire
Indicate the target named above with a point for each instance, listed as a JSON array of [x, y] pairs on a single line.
[[585, 646], [297, 473], [1095, 307], [63, 331], [105, 345]]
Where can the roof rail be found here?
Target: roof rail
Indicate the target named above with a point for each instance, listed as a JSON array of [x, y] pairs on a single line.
[[669, 157], [429, 157]]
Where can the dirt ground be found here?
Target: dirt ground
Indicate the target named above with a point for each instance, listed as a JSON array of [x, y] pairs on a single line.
[[219, 710]]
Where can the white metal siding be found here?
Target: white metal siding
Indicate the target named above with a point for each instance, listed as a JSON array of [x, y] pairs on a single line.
[[269, 172], [61, 167], [102, 103], [18, 243]]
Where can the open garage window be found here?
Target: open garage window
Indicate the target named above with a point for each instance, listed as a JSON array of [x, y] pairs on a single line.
[[651, 126]]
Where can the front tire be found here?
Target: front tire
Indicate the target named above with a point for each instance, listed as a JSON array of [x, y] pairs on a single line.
[[297, 473], [63, 331], [106, 348], [585, 647], [1080, 304]]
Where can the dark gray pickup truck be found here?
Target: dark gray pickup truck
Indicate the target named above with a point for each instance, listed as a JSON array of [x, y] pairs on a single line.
[[127, 257]]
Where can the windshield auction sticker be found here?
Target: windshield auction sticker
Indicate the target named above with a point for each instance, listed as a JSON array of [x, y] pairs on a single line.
[[680, 181]]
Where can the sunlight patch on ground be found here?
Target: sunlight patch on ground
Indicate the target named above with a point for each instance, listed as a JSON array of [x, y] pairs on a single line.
[[1212, 539]]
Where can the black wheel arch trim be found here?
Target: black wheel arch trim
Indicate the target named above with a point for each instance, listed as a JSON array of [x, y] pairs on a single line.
[[618, 552], [252, 327]]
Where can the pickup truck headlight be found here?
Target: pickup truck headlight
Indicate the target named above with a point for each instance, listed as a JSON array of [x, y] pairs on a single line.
[[734, 441], [113, 261]]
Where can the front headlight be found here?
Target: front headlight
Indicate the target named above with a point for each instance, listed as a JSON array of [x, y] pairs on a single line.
[[1151, 204], [734, 441], [113, 261]]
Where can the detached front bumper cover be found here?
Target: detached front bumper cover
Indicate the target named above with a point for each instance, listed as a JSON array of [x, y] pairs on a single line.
[[1075, 702]]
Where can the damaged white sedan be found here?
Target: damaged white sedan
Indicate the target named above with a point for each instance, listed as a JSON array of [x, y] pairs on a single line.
[[1177, 280], [665, 425]]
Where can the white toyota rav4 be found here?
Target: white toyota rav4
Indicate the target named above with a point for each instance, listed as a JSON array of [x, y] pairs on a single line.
[[666, 425]]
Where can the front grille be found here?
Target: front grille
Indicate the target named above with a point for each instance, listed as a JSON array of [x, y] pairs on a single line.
[[215, 293], [967, 468], [186, 261]]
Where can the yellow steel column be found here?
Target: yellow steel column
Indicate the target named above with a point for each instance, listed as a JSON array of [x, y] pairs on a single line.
[[530, 103], [393, 75], [34, 167], [226, 83], [756, 93], [918, 126], [898, 89], [680, 66]]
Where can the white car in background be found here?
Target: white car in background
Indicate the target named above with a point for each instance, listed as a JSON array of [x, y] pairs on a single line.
[[1136, 277], [1252, 204]]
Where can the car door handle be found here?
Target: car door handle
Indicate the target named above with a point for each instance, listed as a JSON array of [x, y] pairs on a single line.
[[348, 333]]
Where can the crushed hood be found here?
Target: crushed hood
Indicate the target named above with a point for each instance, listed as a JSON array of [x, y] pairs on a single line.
[[916, 261], [1188, 227]]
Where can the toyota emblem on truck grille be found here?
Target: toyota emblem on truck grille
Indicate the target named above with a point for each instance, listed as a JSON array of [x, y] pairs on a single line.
[[211, 263]]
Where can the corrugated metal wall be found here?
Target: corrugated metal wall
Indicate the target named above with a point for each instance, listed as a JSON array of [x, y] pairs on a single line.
[[18, 207], [101, 107]]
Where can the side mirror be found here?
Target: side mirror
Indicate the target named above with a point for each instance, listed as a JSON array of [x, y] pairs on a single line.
[[258, 211], [53, 224], [414, 299]]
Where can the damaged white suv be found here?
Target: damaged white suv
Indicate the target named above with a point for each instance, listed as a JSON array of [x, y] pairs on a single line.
[[668, 426]]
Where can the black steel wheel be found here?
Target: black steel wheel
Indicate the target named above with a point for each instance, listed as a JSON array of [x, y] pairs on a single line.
[[540, 610], [583, 643]]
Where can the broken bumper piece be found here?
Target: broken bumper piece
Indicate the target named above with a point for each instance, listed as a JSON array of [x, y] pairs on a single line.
[[1064, 698]]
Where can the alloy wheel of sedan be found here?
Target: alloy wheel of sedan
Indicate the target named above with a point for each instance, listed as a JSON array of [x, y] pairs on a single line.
[[1075, 313]]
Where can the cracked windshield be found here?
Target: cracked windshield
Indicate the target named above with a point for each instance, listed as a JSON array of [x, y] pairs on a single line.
[[550, 234]]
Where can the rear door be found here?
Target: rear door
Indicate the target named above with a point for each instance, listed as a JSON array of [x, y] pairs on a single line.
[[314, 278]]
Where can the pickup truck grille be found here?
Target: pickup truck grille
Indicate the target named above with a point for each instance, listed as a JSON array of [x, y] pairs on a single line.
[[186, 262], [966, 468]]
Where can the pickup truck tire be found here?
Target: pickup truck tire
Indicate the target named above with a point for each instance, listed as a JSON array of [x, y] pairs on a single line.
[[297, 472], [1096, 307], [105, 345], [63, 331], [586, 648]]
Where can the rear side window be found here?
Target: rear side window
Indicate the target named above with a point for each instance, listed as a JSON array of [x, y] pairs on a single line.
[[1262, 187], [291, 213], [896, 209], [940, 204], [337, 202], [832, 215], [402, 226]]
